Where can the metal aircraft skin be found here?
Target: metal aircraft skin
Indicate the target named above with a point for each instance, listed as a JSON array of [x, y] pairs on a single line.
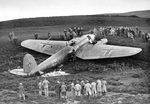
[[81, 47]]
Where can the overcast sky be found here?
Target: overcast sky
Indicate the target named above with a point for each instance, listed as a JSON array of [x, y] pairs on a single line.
[[15, 9]]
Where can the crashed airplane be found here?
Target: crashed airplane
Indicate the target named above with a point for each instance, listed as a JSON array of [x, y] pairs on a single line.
[[83, 47]]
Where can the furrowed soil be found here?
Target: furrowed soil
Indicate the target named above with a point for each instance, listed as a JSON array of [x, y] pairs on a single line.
[[127, 78]]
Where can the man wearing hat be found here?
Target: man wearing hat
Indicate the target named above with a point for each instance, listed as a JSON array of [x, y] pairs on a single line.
[[77, 89], [21, 91], [87, 88], [45, 84], [58, 89]]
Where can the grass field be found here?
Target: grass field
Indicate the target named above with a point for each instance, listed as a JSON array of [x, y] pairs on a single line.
[[128, 75]]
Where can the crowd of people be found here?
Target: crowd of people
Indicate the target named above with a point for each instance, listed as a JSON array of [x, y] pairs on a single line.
[[122, 31], [69, 33], [73, 32], [78, 88], [89, 88]]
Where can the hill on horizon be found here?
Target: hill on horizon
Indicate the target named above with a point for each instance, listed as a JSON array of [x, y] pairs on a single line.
[[143, 14], [119, 19]]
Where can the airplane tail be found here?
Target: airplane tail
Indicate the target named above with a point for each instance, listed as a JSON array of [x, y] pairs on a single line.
[[29, 63]]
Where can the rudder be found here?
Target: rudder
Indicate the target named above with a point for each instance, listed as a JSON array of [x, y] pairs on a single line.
[[29, 63]]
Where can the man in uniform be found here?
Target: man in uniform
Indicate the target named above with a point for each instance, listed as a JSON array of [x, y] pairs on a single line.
[[21, 91], [49, 36], [77, 89], [99, 87], [45, 84], [63, 90], [58, 89], [36, 36], [104, 89], [93, 89], [87, 89], [82, 87]]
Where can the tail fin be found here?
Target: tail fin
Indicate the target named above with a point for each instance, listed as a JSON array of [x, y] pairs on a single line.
[[29, 63]]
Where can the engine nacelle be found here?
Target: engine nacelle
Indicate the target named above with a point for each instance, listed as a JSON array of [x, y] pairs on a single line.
[[104, 41]]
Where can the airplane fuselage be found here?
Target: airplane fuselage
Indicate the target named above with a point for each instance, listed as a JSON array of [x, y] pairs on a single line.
[[59, 57]]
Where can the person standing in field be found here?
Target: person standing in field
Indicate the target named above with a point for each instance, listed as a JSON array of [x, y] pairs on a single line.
[[77, 89], [21, 91], [93, 89], [40, 87], [99, 87], [82, 87], [73, 89], [58, 89], [104, 89], [15, 39], [45, 84], [10, 36], [49, 36], [95, 31], [36, 36], [63, 90], [87, 89]]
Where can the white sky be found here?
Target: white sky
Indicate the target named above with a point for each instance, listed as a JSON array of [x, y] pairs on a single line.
[[15, 9]]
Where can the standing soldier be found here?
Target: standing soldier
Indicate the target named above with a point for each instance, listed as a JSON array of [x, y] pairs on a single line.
[[21, 91], [81, 31], [45, 84], [58, 89], [87, 89], [93, 89], [63, 90], [40, 87], [73, 89], [95, 31], [99, 88], [49, 36], [82, 87], [132, 37], [10, 36], [15, 40], [36, 36], [104, 89], [77, 89], [74, 34], [136, 31], [65, 34]]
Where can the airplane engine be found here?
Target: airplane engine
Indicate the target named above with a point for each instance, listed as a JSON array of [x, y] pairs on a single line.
[[104, 40]]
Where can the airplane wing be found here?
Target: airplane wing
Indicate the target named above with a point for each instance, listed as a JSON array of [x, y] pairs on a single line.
[[99, 51], [48, 47]]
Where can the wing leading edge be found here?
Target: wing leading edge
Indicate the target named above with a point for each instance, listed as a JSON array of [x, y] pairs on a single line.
[[100, 51]]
